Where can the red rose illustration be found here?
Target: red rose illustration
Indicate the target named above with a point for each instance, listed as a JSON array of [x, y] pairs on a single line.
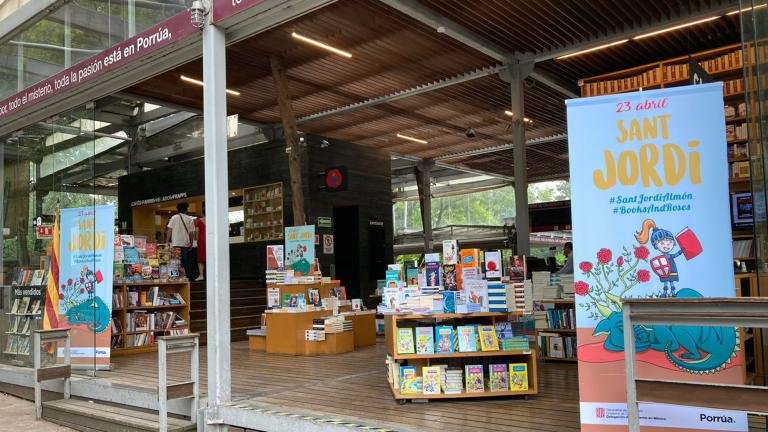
[[620, 261], [63, 286], [581, 288], [61, 296], [82, 280], [82, 291], [643, 275], [641, 252], [585, 266], [69, 281], [604, 256]]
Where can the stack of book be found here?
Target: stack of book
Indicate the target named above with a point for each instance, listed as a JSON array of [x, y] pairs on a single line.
[[518, 295], [557, 346], [453, 381], [515, 343], [556, 318], [332, 324], [500, 297], [539, 282], [541, 319], [566, 283], [275, 277], [257, 331]]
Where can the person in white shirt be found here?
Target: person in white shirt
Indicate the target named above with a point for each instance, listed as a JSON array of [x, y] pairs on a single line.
[[181, 233]]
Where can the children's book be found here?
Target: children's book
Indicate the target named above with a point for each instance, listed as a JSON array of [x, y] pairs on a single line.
[[518, 376], [473, 375], [449, 277], [467, 338], [488, 340], [431, 379], [301, 302], [499, 381], [444, 339], [412, 276], [140, 243], [432, 271], [131, 255], [409, 382], [504, 330], [450, 252], [405, 341], [151, 250], [425, 342], [286, 300], [470, 258], [391, 298], [449, 301]]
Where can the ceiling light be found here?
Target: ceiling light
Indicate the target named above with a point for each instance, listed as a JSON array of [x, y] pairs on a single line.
[[200, 83], [747, 9], [675, 27], [511, 114], [593, 49], [322, 45], [410, 138]]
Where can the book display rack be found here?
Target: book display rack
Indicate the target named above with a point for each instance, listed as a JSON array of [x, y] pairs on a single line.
[[556, 329], [263, 213], [143, 311], [458, 353], [26, 303], [725, 64]]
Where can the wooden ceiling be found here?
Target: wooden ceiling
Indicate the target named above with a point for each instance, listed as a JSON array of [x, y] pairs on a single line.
[[393, 52]]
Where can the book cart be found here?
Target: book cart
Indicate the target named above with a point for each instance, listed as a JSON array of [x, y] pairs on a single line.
[[122, 339], [724, 64], [556, 330], [487, 318]]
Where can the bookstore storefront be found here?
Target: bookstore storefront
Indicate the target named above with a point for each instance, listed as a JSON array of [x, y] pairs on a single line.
[[80, 242]]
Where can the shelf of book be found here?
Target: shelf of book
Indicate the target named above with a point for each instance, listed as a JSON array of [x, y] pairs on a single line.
[[139, 304], [555, 329], [400, 396], [461, 354], [24, 316], [263, 213]]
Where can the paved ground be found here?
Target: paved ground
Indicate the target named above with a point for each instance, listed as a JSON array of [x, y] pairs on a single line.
[[19, 415]]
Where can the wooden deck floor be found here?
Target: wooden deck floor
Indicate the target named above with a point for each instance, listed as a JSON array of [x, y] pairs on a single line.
[[353, 386]]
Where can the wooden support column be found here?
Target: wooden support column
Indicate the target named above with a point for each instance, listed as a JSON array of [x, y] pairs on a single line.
[[423, 172], [291, 134]]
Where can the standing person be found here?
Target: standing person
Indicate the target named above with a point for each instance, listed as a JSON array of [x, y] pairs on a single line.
[[568, 251], [200, 234], [181, 232]]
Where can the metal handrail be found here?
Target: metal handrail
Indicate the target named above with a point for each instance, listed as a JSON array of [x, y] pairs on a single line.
[[51, 372], [715, 312], [191, 389]]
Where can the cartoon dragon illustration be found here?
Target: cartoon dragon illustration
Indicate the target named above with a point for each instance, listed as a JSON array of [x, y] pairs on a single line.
[[92, 312]]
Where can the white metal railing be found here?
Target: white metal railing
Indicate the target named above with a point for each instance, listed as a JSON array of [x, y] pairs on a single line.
[[185, 390], [708, 312], [63, 371]]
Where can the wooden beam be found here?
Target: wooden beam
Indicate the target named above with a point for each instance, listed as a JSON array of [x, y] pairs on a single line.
[[292, 146]]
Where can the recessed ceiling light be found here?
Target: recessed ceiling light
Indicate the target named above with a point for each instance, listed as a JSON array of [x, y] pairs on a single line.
[[201, 84], [410, 138], [511, 114], [654, 33], [593, 49], [321, 45]]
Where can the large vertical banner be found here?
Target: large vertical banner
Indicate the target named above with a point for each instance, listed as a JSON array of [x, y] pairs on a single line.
[[86, 254], [649, 185]]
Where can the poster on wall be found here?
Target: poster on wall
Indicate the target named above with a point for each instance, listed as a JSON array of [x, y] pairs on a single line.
[[300, 248], [86, 254], [650, 208], [275, 257]]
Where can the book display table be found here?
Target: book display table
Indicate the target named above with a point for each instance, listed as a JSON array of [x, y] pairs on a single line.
[[286, 333], [392, 322]]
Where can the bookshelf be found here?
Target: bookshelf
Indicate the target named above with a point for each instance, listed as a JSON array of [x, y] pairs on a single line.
[[556, 321], [392, 322], [727, 65], [128, 320], [24, 316], [263, 213]]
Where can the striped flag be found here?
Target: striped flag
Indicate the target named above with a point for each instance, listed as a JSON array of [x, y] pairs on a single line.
[[51, 316]]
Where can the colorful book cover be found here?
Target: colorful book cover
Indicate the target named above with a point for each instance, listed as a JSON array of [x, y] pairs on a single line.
[[126, 240], [140, 243], [517, 268], [493, 268], [467, 338], [425, 342], [392, 275], [449, 277], [444, 339], [391, 298], [275, 259], [449, 301], [470, 258], [450, 252], [409, 383], [431, 379], [119, 254], [476, 293], [301, 302], [412, 276], [405, 341], [273, 297], [118, 271], [313, 296], [151, 250], [488, 340], [504, 330], [432, 271], [473, 375], [131, 255], [499, 381], [300, 248], [518, 376], [286, 300]]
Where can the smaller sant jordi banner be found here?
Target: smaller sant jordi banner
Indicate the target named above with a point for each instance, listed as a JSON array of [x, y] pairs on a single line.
[[650, 211]]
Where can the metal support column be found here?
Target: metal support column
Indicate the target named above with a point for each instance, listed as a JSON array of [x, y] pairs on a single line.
[[20, 67], [516, 74], [131, 9], [67, 36], [217, 226], [424, 185]]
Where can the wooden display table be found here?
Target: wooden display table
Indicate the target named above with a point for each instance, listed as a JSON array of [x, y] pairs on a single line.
[[477, 357], [325, 288], [286, 333]]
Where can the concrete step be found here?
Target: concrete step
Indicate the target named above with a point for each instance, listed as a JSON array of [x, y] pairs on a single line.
[[97, 417]]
